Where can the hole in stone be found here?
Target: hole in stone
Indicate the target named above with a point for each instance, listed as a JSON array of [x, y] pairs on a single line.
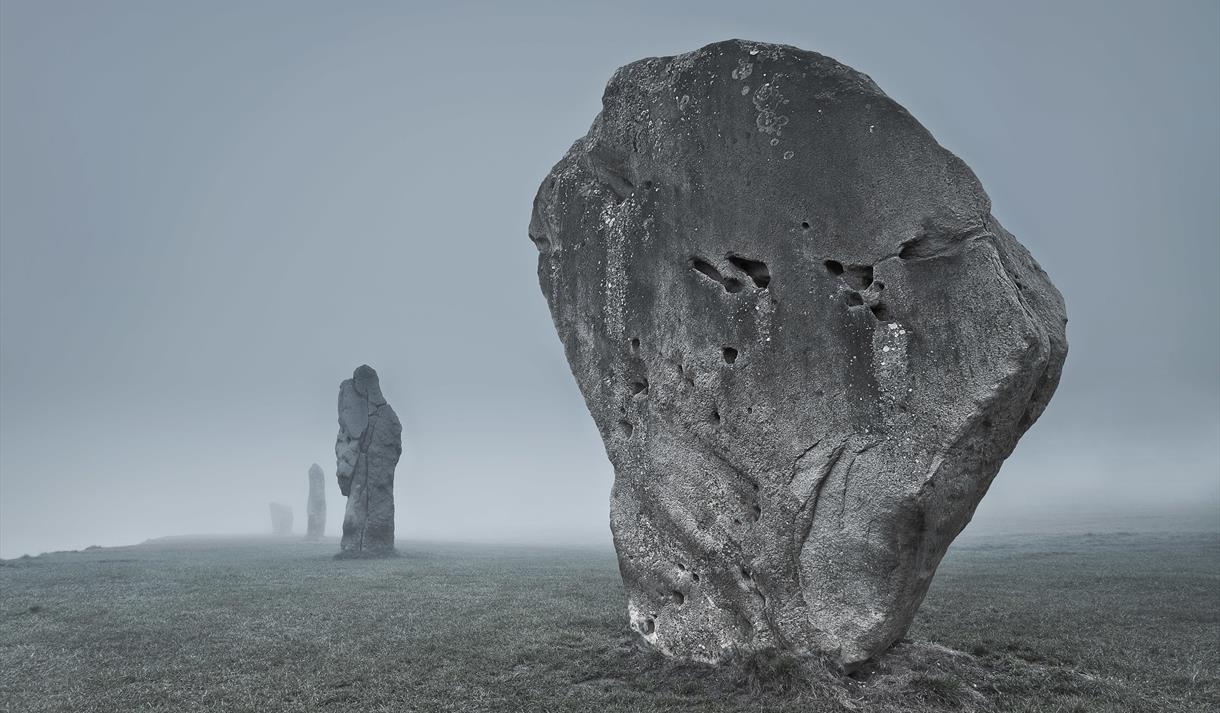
[[695, 576], [834, 266], [878, 285], [648, 626], [715, 416], [745, 572], [749, 409], [706, 268], [635, 344], [880, 311], [862, 274], [756, 269], [626, 428], [730, 284], [681, 566], [730, 355], [736, 521], [805, 225], [679, 597], [639, 387], [854, 299], [757, 512]]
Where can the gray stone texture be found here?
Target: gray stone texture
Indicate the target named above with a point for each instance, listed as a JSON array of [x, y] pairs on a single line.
[[281, 519], [367, 449], [315, 507], [806, 342]]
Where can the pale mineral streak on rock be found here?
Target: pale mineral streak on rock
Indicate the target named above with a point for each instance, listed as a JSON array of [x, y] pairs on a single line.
[[315, 506], [367, 450], [806, 342]]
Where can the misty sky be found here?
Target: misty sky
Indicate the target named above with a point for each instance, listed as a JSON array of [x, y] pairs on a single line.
[[212, 212]]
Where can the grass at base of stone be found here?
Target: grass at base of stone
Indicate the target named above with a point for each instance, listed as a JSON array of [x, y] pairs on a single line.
[[1066, 623]]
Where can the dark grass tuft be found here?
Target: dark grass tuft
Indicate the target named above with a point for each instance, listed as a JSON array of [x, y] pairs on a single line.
[[771, 671], [939, 690]]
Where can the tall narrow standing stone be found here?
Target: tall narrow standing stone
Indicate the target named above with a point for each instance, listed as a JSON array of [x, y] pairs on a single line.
[[807, 343], [367, 449], [315, 507], [281, 519]]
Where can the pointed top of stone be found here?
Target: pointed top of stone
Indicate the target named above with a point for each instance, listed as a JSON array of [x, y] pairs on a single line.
[[365, 380]]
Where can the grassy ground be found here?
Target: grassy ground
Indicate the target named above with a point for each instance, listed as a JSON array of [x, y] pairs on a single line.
[[1064, 623]]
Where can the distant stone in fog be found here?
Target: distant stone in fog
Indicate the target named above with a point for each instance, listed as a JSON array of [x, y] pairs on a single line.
[[315, 507], [806, 342], [281, 519], [367, 450]]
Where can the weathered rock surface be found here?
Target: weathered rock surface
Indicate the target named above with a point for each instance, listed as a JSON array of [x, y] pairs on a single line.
[[367, 449], [281, 519], [807, 344], [315, 507]]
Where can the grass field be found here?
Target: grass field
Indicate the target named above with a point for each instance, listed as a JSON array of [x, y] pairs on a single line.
[[1126, 622]]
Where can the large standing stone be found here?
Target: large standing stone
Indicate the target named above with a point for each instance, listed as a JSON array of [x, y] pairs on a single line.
[[315, 507], [281, 519], [807, 344], [367, 450]]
